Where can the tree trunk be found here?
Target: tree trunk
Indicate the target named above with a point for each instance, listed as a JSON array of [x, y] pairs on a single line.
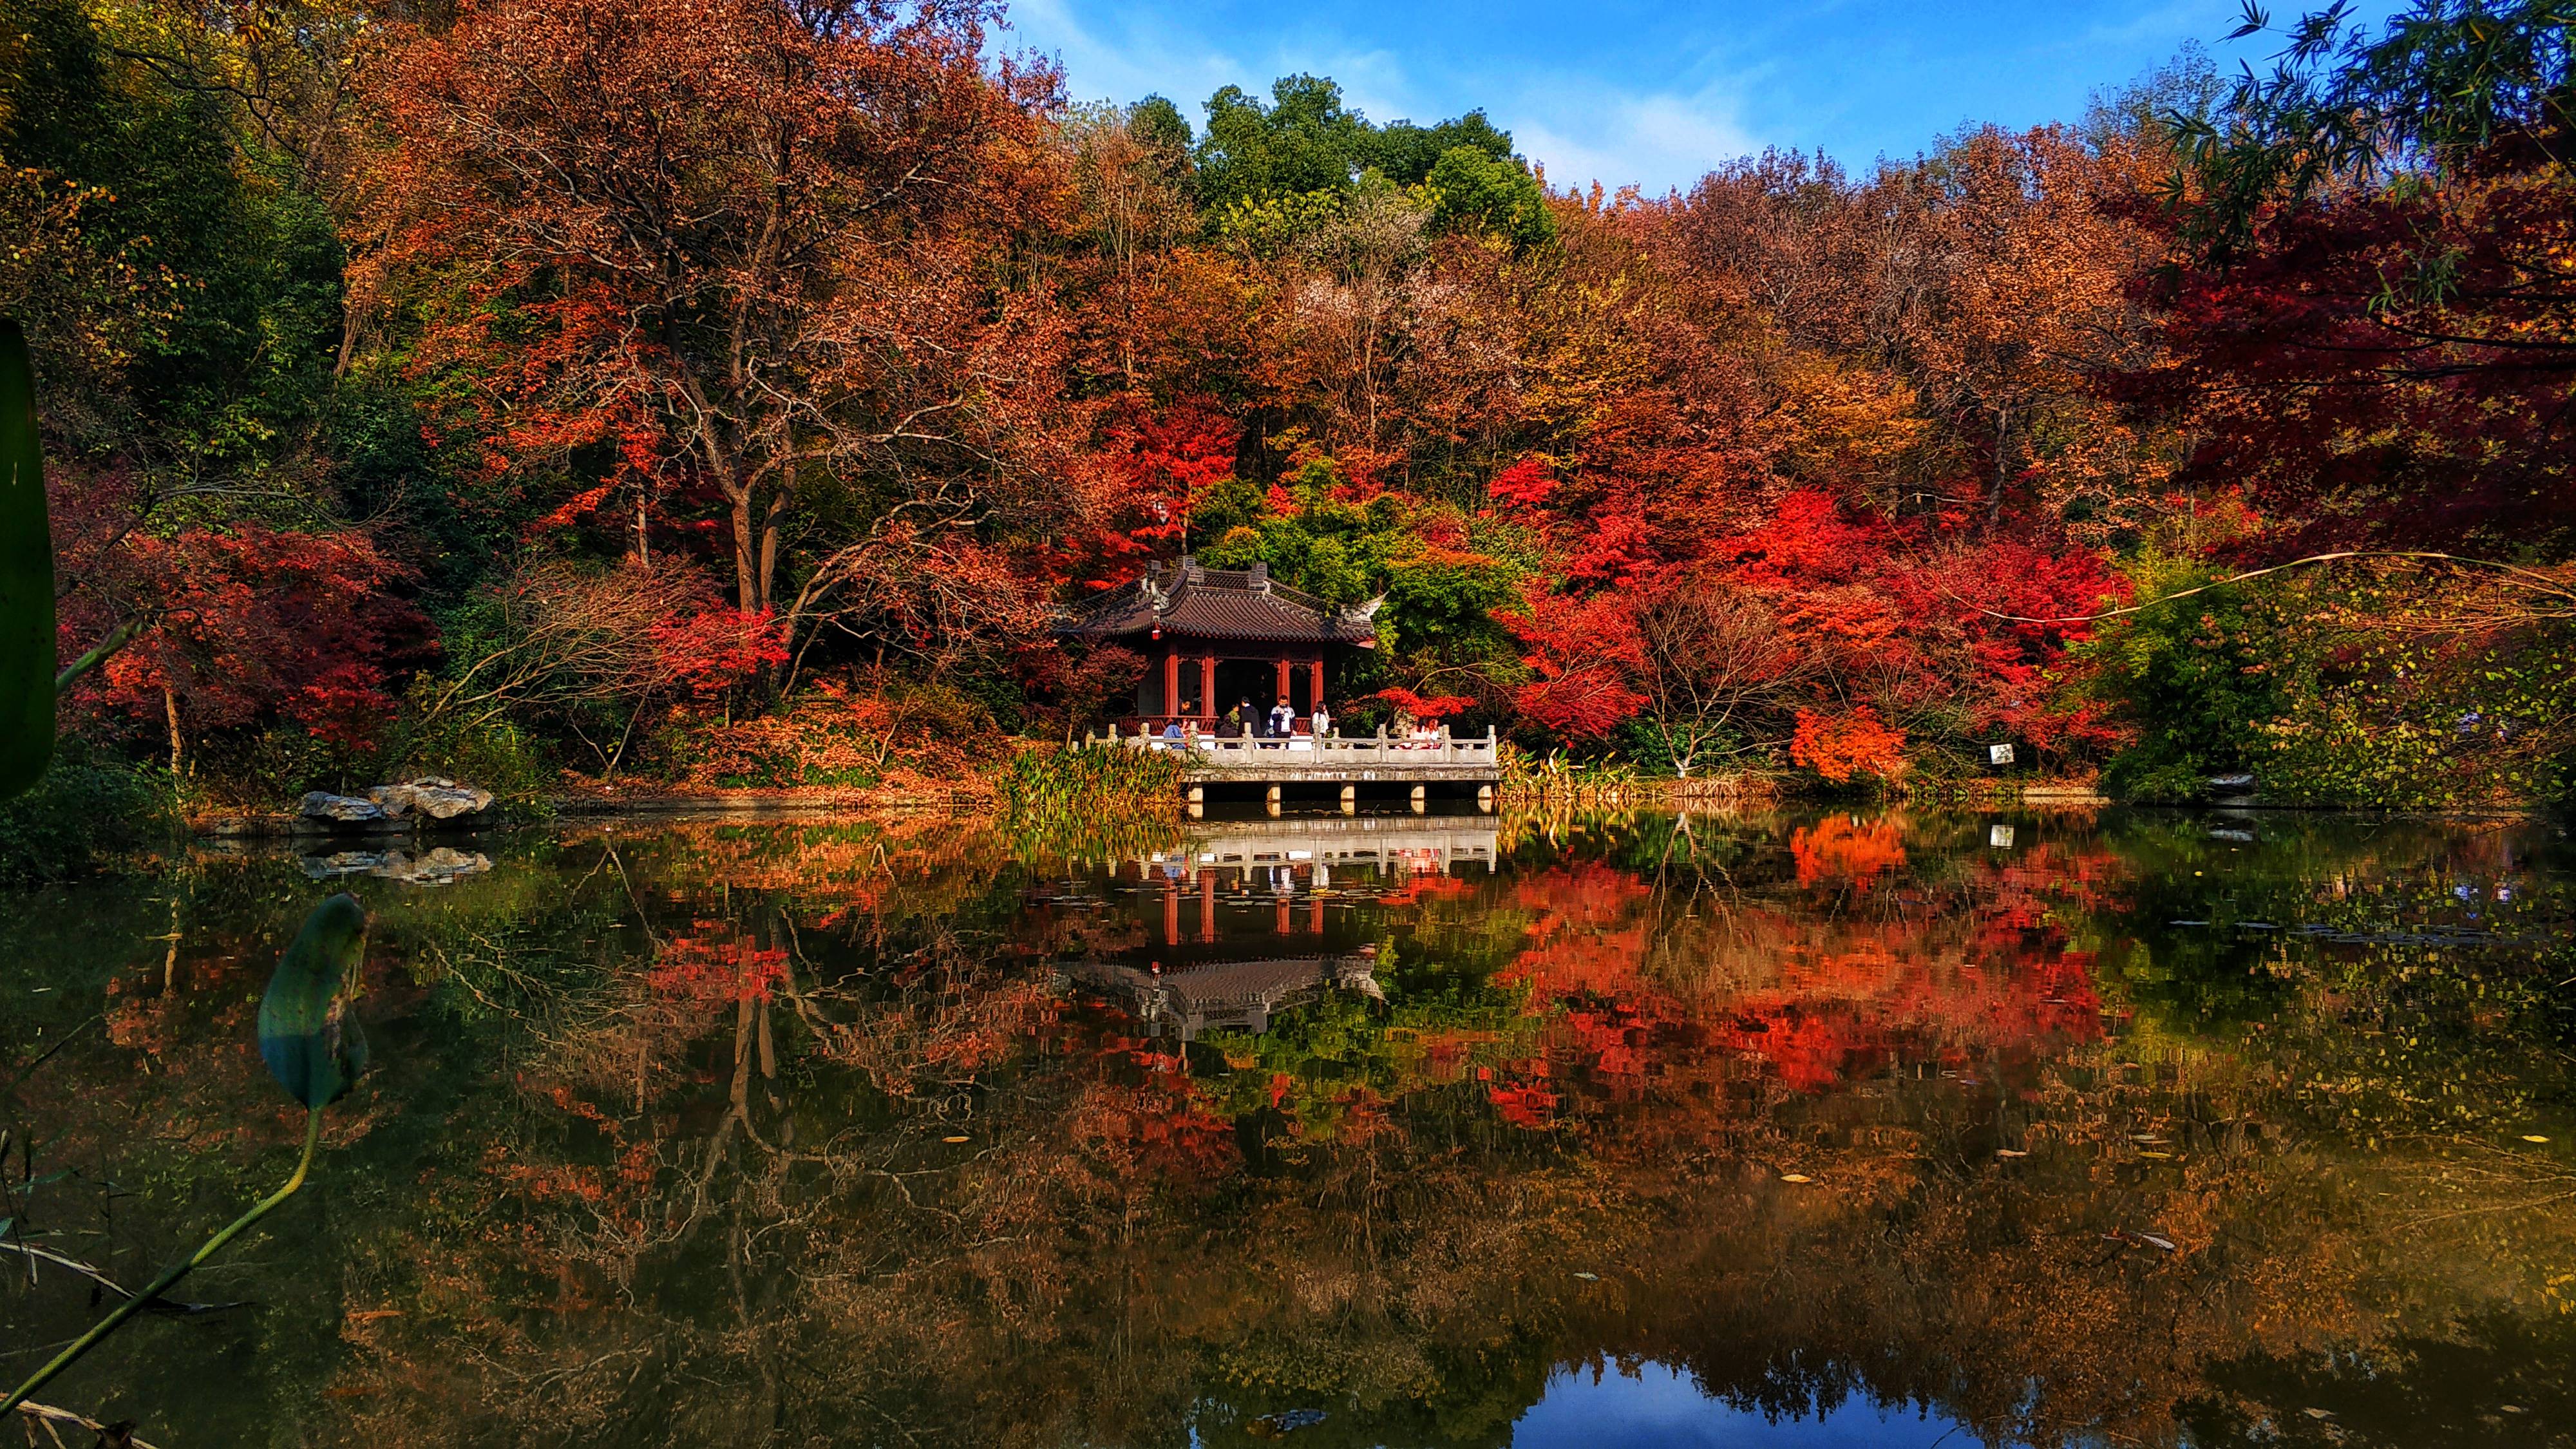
[[769, 518], [170, 708], [2003, 465], [746, 548]]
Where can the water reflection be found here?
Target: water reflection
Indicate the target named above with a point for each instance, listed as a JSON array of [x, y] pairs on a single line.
[[1652, 1406], [1798, 1130]]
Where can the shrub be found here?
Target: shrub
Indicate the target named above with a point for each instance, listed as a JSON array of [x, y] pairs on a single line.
[[497, 754], [832, 736], [79, 812]]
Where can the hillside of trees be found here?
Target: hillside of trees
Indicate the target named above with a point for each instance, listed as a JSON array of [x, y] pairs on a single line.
[[740, 391]]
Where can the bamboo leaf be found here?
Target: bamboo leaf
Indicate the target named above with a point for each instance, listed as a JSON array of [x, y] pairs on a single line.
[[26, 577]]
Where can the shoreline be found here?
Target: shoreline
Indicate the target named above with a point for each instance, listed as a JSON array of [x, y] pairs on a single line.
[[657, 803]]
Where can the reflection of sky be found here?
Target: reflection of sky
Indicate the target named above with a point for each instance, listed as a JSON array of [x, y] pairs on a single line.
[[1661, 1408]]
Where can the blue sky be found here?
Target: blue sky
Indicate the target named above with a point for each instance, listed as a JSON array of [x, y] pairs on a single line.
[[1631, 92]]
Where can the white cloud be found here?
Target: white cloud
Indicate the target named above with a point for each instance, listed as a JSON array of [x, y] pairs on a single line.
[[1654, 141], [1138, 61], [1580, 133]]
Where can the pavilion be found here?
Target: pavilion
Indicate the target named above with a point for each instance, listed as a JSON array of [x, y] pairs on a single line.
[[1217, 637]]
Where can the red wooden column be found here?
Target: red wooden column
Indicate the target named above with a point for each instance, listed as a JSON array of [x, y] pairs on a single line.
[[1207, 904], [1207, 686], [1171, 913], [1171, 681], [1315, 682], [1283, 679]]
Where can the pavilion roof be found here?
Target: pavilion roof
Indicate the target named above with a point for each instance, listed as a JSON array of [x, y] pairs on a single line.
[[1218, 986], [1203, 603]]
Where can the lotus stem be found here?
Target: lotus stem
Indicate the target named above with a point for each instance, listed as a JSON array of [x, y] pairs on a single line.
[[171, 1275]]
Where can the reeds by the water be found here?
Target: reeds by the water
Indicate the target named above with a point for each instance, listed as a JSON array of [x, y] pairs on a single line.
[[1092, 801], [1557, 782]]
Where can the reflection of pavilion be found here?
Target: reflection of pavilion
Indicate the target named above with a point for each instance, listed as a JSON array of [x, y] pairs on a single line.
[[1416, 842], [1226, 994], [1292, 858]]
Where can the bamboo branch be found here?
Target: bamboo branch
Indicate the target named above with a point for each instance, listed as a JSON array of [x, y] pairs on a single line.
[[171, 1275], [49, 1416], [2532, 579], [117, 638]]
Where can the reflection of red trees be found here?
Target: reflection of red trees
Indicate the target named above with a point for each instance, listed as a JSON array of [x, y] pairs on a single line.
[[1842, 848], [705, 970], [1639, 997], [1524, 1106], [1586, 937], [1149, 1113], [1834, 1015], [1423, 884]]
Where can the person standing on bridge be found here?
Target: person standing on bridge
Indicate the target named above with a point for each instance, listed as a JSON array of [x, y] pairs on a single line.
[[1323, 720]]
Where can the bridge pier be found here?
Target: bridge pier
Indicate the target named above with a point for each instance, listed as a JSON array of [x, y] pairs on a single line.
[[1421, 799], [1350, 799], [1271, 800]]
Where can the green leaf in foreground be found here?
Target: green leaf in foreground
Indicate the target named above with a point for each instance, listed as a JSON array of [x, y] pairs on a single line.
[[306, 1032], [26, 577]]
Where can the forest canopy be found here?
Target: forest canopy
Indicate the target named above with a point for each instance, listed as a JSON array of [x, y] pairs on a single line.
[[744, 391]]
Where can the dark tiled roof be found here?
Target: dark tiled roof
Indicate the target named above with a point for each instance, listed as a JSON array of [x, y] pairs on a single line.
[[1223, 993], [1199, 603]]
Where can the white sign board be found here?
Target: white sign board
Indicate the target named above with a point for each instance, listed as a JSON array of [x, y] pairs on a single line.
[[1999, 754], [1999, 836]]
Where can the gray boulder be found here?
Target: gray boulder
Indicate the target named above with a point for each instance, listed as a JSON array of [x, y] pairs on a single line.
[[441, 866], [431, 797], [326, 808], [342, 862], [438, 867]]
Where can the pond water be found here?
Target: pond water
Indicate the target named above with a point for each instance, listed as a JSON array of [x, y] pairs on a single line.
[[1813, 1129]]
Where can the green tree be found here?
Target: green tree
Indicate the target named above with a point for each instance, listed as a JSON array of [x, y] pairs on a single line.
[[2190, 676], [1304, 140], [1473, 190]]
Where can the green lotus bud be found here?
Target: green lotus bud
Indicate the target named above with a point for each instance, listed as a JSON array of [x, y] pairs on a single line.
[[306, 1029]]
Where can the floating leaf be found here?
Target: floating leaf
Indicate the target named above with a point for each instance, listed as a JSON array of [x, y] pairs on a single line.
[[1795, 1177], [26, 577], [1589, 1277], [2009, 1152], [956, 1139], [306, 1032], [2533, 1137]]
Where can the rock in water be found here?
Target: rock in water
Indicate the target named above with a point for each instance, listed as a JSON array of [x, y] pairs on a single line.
[[447, 802], [341, 809], [432, 797], [441, 866]]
